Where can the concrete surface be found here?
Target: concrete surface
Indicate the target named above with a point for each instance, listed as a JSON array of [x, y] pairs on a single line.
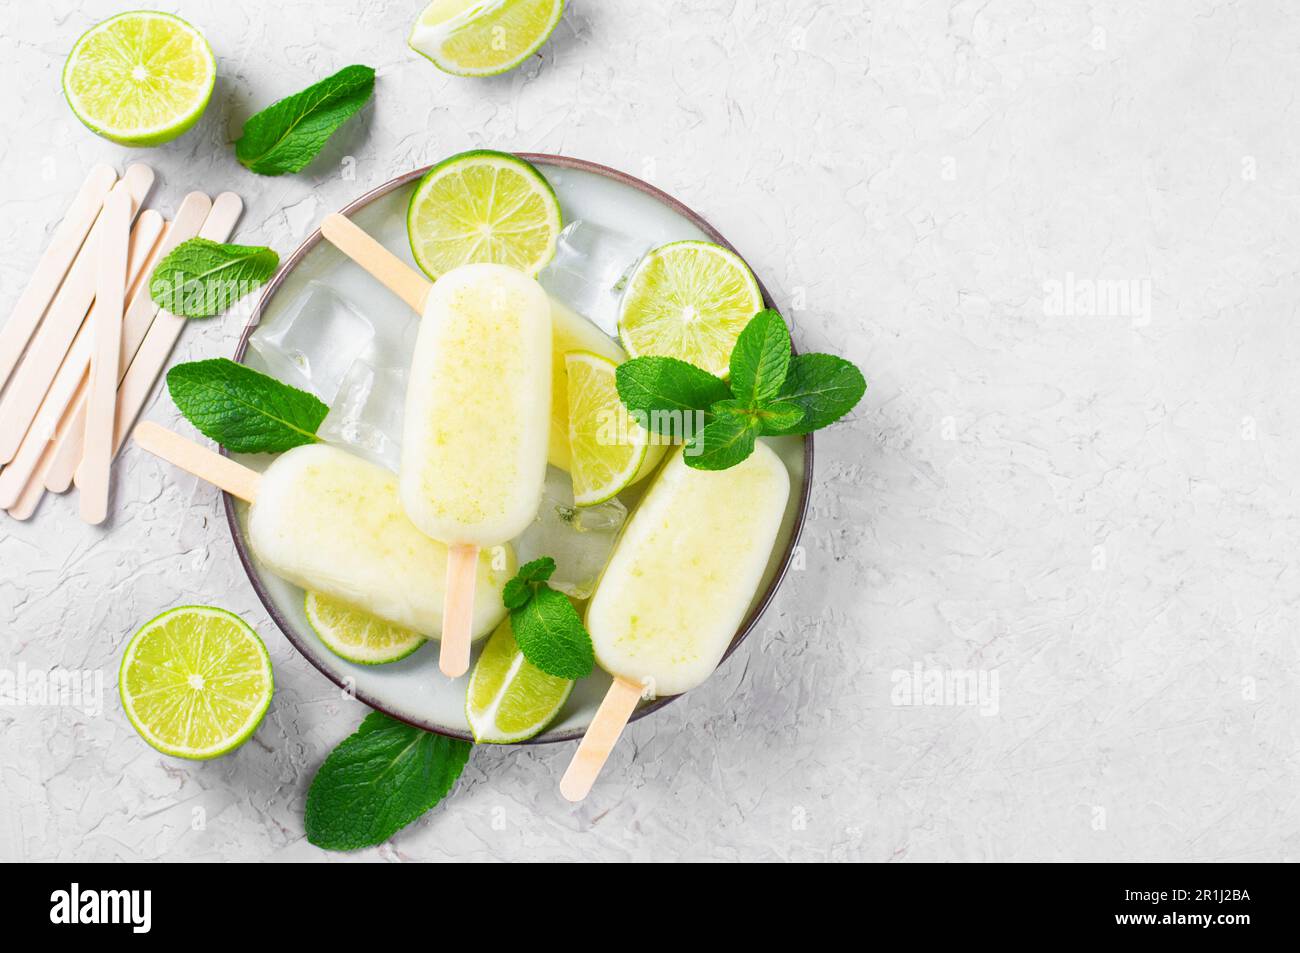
[[1060, 239]]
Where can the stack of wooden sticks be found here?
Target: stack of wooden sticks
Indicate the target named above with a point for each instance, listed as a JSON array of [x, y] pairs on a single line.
[[86, 343]]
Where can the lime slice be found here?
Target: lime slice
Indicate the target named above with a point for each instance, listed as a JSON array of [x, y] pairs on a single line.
[[570, 331], [140, 78], [610, 451], [510, 699], [358, 636], [195, 682], [483, 206], [483, 37], [688, 300]]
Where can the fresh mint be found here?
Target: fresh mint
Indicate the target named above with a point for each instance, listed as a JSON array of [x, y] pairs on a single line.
[[824, 387], [243, 410], [200, 278], [287, 135], [545, 623], [663, 391], [723, 443], [378, 780], [760, 358], [769, 393]]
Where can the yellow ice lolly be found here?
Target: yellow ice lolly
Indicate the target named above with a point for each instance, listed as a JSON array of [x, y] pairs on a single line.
[[677, 588], [685, 570], [331, 522], [477, 422]]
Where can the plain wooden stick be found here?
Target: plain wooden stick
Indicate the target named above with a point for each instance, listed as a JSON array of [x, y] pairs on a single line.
[[602, 734], [140, 313], [53, 267], [31, 381], [106, 341], [150, 356], [458, 609], [389, 270], [222, 472], [67, 384]]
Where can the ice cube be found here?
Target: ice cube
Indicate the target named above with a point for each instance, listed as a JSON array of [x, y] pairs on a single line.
[[579, 539], [366, 414], [591, 266], [312, 343]]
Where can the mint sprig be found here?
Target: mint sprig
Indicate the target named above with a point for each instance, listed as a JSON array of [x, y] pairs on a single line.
[[243, 410], [287, 135], [545, 623], [378, 780], [770, 393], [201, 278]]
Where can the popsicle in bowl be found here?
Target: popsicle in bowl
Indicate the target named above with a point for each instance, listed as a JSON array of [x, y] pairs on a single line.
[[331, 522], [676, 589], [476, 425]]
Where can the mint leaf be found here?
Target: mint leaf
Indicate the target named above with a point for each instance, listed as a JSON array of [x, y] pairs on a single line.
[[551, 635], [664, 394], [760, 359], [778, 416], [726, 441], [378, 780], [824, 386], [539, 570], [519, 589], [287, 135], [201, 278], [243, 410]]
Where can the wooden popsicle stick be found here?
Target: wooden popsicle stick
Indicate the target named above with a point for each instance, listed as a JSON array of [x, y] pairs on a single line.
[[140, 313], [25, 505], [31, 381], [53, 267], [389, 270], [602, 734], [458, 609], [106, 330], [66, 384], [222, 472], [150, 356]]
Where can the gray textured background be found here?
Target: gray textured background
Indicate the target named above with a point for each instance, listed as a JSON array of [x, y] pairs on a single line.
[[1097, 509]]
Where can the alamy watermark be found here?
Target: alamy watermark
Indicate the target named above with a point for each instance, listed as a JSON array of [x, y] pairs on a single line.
[[975, 688], [665, 427], [53, 688], [1098, 298]]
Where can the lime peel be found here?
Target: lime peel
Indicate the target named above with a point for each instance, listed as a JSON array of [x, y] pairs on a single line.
[[140, 78], [483, 37], [195, 682], [358, 636], [483, 206]]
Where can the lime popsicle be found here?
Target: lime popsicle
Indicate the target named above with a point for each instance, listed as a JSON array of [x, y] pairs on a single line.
[[331, 522], [476, 427], [677, 588]]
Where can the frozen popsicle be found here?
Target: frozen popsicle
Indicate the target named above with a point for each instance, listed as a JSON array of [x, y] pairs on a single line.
[[476, 425], [677, 588], [331, 522]]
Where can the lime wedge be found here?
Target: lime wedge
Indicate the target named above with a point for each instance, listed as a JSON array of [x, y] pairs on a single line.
[[195, 682], [688, 300], [483, 206], [570, 331], [610, 451], [140, 78], [483, 37], [357, 636], [509, 698]]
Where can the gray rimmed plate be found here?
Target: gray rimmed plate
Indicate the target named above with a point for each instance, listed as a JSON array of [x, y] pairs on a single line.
[[413, 690]]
